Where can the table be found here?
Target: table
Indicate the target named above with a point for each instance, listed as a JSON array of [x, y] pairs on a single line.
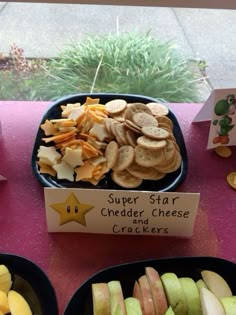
[[69, 259]]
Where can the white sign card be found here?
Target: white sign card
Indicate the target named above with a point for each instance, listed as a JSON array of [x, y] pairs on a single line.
[[121, 212], [220, 109]]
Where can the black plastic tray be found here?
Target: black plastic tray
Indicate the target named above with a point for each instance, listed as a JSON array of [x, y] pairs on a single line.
[[32, 283], [81, 301], [169, 183]]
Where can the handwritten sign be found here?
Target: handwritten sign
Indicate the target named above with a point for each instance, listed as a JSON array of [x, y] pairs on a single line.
[[120, 212]]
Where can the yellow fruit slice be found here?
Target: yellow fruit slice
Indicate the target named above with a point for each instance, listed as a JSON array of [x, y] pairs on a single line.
[[4, 307], [5, 279], [17, 304]]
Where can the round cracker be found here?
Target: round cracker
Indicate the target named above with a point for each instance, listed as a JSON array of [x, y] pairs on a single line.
[[119, 117], [147, 173], [125, 158], [115, 106], [172, 166], [131, 137], [113, 127], [120, 131], [156, 175], [155, 132], [146, 157], [125, 179], [140, 171], [170, 151], [134, 108], [144, 119], [111, 153], [108, 121], [158, 109], [151, 144], [130, 125], [166, 120], [165, 126]]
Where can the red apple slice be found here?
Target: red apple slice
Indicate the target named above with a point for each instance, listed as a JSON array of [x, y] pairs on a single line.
[[138, 294], [148, 304], [216, 284], [211, 305], [157, 290], [101, 299]]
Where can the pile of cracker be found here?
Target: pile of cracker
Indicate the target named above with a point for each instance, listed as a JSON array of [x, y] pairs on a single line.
[[133, 141]]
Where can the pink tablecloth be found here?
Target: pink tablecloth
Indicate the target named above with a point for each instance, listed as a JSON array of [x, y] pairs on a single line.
[[69, 259]]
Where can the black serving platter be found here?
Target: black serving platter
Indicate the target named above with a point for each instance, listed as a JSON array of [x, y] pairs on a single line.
[[81, 301], [32, 283], [169, 183]]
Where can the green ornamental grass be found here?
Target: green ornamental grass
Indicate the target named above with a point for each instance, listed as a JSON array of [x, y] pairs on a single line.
[[125, 63]]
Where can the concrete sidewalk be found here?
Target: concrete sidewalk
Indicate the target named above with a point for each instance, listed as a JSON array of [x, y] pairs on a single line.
[[42, 30]]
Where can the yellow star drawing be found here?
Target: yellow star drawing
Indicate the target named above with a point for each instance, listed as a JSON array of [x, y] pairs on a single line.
[[72, 210]]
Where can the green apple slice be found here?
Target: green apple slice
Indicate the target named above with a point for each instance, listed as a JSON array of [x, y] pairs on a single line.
[[216, 284], [192, 295], [116, 296], [169, 311], [101, 299], [200, 284], [133, 306], [175, 293], [229, 304], [157, 290], [211, 305], [118, 310]]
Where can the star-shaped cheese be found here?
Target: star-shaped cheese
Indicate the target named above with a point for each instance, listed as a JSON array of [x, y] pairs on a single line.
[[72, 210], [99, 131], [76, 113], [64, 171], [46, 169], [84, 171], [68, 108], [49, 155], [73, 157], [48, 128], [91, 101]]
